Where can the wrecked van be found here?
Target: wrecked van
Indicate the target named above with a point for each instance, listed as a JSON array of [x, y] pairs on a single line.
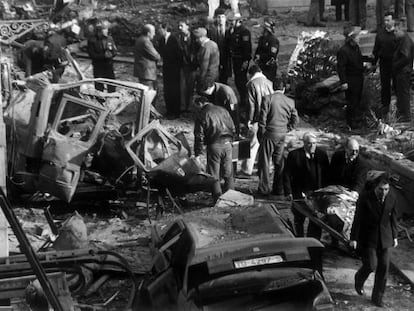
[[56, 130], [198, 266]]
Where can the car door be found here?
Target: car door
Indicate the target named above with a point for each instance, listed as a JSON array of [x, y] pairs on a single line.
[[67, 143]]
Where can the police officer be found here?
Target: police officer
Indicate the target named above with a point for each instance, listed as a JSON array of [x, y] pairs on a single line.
[[267, 50], [240, 49]]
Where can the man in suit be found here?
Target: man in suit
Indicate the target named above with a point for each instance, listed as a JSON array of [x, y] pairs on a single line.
[[374, 232], [220, 34], [306, 170], [208, 57], [146, 58], [347, 168], [384, 47], [277, 117], [350, 68], [171, 64]]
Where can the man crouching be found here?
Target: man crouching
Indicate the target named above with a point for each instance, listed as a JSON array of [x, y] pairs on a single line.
[[215, 128]]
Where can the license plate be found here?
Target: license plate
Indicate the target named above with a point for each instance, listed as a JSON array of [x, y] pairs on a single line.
[[257, 261]]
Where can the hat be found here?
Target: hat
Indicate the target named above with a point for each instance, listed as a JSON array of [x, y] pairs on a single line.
[[219, 11], [269, 25], [200, 32], [352, 31]]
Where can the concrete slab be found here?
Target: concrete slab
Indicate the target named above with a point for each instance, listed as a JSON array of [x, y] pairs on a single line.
[[401, 259]]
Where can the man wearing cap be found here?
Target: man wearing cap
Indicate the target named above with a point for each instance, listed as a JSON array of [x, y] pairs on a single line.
[[221, 35], [306, 170], [267, 50], [257, 87], [215, 128], [358, 12], [350, 70], [374, 231], [208, 57], [402, 66], [102, 50], [277, 117], [384, 47], [240, 51], [315, 14], [146, 57], [223, 95]]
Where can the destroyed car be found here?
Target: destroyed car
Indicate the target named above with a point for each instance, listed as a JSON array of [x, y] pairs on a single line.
[[201, 268], [56, 132]]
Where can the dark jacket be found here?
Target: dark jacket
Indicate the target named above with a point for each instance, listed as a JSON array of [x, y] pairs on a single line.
[[257, 87], [53, 50], [188, 47], [384, 47], [222, 43], [171, 54], [403, 55], [145, 59], [349, 62], [208, 58], [267, 50], [351, 175], [101, 49], [240, 44], [300, 176], [224, 96], [213, 124], [375, 225], [278, 115]]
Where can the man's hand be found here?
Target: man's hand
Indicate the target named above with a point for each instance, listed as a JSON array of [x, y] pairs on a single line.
[[289, 197], [245, 65], [353, 244], [344, 86], [395, 242]]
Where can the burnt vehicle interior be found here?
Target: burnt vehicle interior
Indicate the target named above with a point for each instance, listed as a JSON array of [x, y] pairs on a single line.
[[264, 272]]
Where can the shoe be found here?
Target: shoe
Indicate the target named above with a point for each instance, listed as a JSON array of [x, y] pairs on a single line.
[[359, 288]]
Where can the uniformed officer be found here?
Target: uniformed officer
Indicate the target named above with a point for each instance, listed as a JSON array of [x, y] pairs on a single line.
[[240, 50], [267, 50]]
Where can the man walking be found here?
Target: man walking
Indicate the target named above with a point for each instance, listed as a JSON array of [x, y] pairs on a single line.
[[277, 117], [146, 58], [374, 232], [306, 170], [402, 66], [215, 128], [384, 47], [257, 87], [350, 69]]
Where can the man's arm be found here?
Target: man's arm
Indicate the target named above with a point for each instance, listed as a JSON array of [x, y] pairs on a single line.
[[252, 100], [287, 175], [204, 62], [150, 52], [264, 110], [356, 225], [294, 117], [342, 61]]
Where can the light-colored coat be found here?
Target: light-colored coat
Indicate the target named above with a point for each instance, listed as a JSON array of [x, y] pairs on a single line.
[[145, 59]]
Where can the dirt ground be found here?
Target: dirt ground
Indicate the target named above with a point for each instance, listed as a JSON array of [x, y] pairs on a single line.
[[117, 226]]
